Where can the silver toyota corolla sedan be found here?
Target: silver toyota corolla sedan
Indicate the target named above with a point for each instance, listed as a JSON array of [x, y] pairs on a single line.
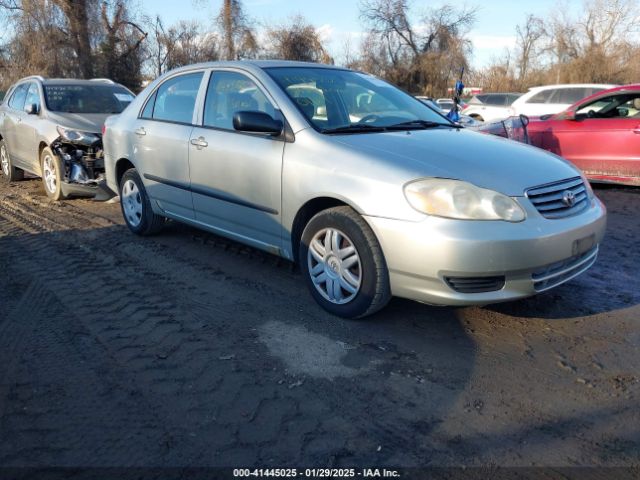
[[373, 193]]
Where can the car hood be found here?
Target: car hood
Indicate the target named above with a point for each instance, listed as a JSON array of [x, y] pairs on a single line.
[[86, 122], [487, 161]]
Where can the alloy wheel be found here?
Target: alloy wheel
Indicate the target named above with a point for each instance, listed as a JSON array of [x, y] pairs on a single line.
[[50, 174], [4, 159]]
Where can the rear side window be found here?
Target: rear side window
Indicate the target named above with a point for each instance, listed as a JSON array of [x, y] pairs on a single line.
[[19, 96], [541, 97], [497, 100], [175, 100], [569, 95], [509, 99]]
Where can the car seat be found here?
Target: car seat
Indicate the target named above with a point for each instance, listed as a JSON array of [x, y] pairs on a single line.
[[307, 106]]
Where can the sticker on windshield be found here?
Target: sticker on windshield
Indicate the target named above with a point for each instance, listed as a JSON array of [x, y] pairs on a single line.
[[124, 97], [374, 80]]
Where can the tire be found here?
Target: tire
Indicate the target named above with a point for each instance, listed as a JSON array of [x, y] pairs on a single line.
[[9, 172], [363, 270], [136, 206], [52, 173]]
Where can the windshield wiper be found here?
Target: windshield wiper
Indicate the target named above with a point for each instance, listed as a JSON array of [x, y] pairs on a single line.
[[418, 124], [354, 128]]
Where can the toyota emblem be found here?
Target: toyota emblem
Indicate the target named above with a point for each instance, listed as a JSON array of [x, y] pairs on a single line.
[[568, 198]]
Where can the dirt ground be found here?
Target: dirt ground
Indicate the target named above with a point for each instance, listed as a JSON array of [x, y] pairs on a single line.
[[190, 350]]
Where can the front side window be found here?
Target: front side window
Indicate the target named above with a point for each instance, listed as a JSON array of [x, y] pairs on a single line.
[[175, 99], [33, 97], [333, 99], [86, 99], [19, 96], [231, 92], [615, 106]]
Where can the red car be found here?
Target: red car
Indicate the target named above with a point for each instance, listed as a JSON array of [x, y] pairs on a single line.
[[599, 134]]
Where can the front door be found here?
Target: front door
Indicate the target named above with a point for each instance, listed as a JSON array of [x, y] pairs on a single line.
[[236, 177]]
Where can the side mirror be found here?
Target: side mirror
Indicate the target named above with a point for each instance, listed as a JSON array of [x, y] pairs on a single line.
[[32, 109], [569, 115], [257, 122]]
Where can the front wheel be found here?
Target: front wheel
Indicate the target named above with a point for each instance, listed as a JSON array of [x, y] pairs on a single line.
[[52, 174], [10, 172], [343, 264], [136, 205]]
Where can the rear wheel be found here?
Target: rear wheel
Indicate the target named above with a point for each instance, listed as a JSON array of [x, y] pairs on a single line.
[[11, 173], [136, 205], [52, 174], [343, 264]]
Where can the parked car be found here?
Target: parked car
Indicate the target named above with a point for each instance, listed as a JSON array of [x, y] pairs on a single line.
[[373, 197], [553, 98], [464, 120], [445, 104], [489, 107], [600, 135], [52, 128]]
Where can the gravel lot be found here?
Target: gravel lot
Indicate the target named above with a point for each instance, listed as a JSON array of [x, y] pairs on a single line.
[[190, 350]]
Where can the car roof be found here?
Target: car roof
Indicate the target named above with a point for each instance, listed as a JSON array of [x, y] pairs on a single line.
[[67, 81], [257, 64], [572, 85]]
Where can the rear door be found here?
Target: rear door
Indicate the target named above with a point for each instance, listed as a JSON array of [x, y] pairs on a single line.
[[235, 176], [161, 142], [13, 117], [604, 139]]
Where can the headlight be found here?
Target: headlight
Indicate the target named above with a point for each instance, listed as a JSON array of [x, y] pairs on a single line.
[[76, 136], [461, 200]]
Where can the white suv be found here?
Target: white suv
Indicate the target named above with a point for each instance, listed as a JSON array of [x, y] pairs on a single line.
[[552, 99]]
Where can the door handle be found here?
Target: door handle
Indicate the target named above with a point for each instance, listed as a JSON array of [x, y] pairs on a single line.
[[637, 130], [140, 131], [199, 143]]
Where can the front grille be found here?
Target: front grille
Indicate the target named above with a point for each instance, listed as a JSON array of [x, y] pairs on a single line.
[[548, 199], [475, 284], [559, 272]]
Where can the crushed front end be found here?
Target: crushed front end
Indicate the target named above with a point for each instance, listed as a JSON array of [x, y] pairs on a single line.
[[82, 157]]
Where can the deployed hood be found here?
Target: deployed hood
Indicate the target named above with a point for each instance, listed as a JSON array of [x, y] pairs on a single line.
[[485, 160], [88, 122]]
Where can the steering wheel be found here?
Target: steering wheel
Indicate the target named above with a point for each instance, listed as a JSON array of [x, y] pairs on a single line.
[[372, 117]]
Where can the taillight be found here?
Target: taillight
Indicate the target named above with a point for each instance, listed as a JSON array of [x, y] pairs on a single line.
[[104, 130]]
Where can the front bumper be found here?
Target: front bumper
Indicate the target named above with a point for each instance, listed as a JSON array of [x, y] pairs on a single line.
[[97, 190], [533, 255]]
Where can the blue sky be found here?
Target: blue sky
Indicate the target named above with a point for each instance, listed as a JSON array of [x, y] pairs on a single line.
[[338, 20]]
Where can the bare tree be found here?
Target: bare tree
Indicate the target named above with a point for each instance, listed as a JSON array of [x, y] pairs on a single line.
[[78, 24], [421, 53], [297, 40], [529, 37], [239, 38]]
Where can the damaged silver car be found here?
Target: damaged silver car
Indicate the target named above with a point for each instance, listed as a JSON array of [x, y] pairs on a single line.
[[52, 128]]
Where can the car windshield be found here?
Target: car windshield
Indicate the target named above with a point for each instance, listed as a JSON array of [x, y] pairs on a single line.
[[343, 101], [87, 98]]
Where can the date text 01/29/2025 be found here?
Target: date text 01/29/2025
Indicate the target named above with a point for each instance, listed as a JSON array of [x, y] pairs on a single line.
[[315, 473]]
